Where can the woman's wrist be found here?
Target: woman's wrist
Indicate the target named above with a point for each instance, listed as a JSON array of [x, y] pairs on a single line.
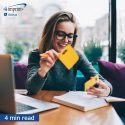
[[42, 73]]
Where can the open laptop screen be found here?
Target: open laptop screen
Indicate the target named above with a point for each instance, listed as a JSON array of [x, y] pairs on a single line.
[[7, 95], [7, 102]]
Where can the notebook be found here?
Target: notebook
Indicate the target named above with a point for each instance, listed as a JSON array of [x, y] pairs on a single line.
[[68, 57], [82, 101], [16, 103]]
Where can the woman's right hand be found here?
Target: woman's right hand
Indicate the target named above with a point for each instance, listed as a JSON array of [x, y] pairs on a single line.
[[47, 60]]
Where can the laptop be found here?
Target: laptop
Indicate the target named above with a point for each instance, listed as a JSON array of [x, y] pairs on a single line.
[[13, 103]]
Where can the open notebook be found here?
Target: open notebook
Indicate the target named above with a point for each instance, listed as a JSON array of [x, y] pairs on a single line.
[[83, 101]]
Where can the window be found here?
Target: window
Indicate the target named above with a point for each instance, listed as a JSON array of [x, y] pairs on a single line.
[[120, 31], [92, 16], [93, 19]]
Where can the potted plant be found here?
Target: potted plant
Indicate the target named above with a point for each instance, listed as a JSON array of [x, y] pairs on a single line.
[[93, 51], [14, 48], [121, 51]]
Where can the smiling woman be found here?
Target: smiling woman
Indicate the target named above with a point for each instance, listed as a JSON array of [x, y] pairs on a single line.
[[49, 73], [64, 35], [61, 21]]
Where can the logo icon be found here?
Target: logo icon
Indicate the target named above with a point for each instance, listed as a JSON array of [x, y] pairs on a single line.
[[5, 14], [13, 9]]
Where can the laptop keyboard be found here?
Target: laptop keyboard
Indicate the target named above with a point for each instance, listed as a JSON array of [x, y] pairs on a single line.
[[20, 107]]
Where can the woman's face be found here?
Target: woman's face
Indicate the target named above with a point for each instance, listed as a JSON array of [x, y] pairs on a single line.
[[63, 35]]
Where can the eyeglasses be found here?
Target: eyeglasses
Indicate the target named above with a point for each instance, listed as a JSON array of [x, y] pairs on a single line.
[[61, 35]]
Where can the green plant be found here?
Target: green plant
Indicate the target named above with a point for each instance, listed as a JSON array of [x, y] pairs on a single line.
[[93, 51], [14, 48], [121, 51]]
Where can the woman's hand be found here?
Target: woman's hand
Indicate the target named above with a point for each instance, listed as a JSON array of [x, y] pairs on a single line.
[[102, 90], [47, 60]]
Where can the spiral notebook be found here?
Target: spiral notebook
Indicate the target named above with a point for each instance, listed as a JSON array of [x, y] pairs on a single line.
[[82, 101]]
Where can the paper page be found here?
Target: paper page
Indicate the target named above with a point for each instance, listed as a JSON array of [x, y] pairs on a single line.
[[21, 91], [82, 99], [113, 99]]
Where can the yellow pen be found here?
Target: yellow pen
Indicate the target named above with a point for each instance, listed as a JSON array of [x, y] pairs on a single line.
[[45, 55]]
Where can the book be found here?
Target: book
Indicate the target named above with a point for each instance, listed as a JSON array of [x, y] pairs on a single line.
[[85, 102]]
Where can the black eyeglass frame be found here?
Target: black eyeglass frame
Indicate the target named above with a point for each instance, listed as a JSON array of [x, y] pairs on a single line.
[[64, 35]]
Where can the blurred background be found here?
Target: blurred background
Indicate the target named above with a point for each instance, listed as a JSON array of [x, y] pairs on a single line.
[[21, 31]]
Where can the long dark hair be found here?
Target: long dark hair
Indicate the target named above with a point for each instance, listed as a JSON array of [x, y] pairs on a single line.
[[49, 29]]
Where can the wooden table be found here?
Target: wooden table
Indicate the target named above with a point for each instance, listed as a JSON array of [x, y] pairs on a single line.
[[69, 116]]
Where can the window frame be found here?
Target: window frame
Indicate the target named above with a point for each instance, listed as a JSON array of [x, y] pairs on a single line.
[[112, 31]]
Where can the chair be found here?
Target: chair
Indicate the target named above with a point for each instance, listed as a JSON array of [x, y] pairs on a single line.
[[115, 74], [20, 72]]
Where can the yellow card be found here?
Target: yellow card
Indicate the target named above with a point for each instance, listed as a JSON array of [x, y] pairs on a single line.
[[91, 82], [68, 57]]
